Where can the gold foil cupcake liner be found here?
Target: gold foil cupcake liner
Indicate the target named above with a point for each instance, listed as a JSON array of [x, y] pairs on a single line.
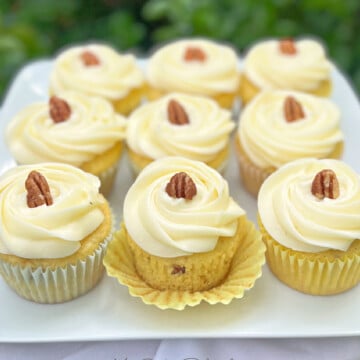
[[324, 273], [245, 269]]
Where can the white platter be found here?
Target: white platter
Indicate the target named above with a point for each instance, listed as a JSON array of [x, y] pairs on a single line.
[[108, 312]]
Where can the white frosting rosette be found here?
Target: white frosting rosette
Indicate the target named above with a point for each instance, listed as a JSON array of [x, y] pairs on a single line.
[[112, 78], [92, 128], [268, 68], [168, 70], [151, 134], [269, 140], [169, 227], [47, 232], [298, 220]]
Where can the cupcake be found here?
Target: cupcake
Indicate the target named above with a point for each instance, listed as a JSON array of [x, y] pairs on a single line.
[[281, 126], [98, 70], [183, 230], [73, 128], [299, 65], [309, 214], [191, 126], [54, 229], [194, 66]]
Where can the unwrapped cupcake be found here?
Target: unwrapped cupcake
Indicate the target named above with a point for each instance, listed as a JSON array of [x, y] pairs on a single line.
[[300, 65], [194, 66], [191, 126], [72, 128], [99, 70], [309, 214], [281, 126], [54, 230], [184, 239]]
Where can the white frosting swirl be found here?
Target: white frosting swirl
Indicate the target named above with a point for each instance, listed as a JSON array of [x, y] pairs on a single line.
[[270, 141], [268, 68], [151, 134], [167, 70], [297, 219], [92, 128], [53, 231], [112, 78], [170, 227]]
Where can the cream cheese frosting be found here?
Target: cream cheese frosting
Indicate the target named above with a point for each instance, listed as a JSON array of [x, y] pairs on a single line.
[[92, 128], [297, 219], [269, 140], [113, 78], [151, 134], [169, 71], [268, 68], [169, 227], [53, 231]]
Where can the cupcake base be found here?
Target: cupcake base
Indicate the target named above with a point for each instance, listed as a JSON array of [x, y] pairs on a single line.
[[245, 268], [325, 273], [131, 101], [253, 176], [225, 100], [104, 166], [58, 280], [138, 162], [248, 90]]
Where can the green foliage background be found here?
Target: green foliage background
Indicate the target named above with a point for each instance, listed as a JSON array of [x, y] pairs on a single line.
[[31, 29]]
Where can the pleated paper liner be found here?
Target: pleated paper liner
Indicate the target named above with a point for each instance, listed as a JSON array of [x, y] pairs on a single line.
[[325, 273], [57, 284], [245, 269]]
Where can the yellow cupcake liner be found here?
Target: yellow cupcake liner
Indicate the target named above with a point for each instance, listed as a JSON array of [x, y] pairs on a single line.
[[246, 267], [131, 101], [327, 273]]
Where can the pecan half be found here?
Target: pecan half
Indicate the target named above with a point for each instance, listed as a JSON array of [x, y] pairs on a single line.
[[178, 270], [194, 53], [38, 191], [292, 109], [59, 109], [287, 46], [325, 184], [176, 113], [181, 185], [89, 58]]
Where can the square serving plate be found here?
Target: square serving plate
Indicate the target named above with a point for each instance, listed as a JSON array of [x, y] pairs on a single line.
[[108, 312]]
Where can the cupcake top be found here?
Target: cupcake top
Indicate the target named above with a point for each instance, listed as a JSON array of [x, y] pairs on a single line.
[[179, 207], [281, 126], [286, 64], [47, 209], [71, 128], [185, 125], [195, 66], [312, 205], [95, 69]]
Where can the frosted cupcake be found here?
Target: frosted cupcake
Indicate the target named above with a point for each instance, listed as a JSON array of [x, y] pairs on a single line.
[[179, 125], [299, 65], [75, 129], [281, 126], [194, 66], [98, 70], [309, 213], [53, 232], [183, 230]]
